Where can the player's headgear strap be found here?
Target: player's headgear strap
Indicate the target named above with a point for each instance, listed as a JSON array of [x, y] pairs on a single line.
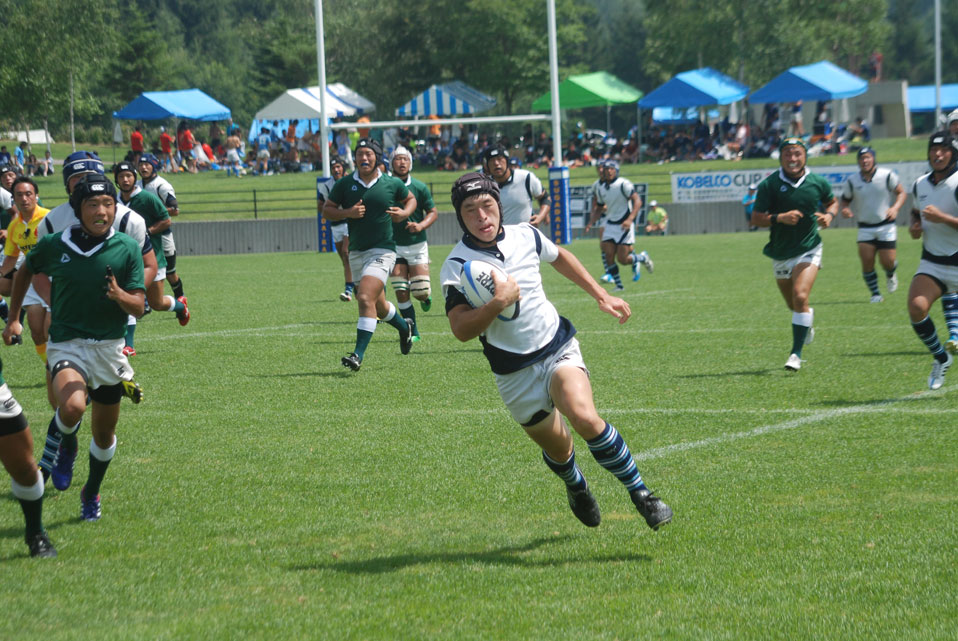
[[945, 139], [91, 185], [369, 143], [153, 160], [402, 151], [81, 162], [494, 151], [792, 140], [120, 167], [473, 184]]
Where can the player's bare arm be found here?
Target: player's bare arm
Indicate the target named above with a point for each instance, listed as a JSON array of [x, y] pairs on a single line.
[[431, 216], [825, 218], [570, 267], [900, 197], [399, 214], [934, 215], [21, 283]]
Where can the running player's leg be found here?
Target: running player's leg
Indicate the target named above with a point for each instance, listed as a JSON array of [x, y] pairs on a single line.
[[16, 454], [866, 253]]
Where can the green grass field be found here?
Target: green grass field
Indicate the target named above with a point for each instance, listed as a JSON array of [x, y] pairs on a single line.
[[261, 491], [216, 196]]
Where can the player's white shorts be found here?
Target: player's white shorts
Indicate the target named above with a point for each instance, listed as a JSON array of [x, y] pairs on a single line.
[[232, 156], [9, 407], [947, 274], [417, 254], [885, 234], [262, 154], [33, 298], [613, 232], [339, 232], [376, 262], [160, 274], [103, 361], [783, 268], [169, 247], [527, 391]]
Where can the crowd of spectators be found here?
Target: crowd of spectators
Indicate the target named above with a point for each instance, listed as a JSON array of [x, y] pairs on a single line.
[[287, 148]]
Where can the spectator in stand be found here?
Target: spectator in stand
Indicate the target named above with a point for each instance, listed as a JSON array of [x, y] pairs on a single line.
[[797, 127], [166, 150], [136, 144], [748, 201], [657, 220], [46, 165], [5, 158], [859, 131], [572, 157], [31, 166], [262, 152], [630, 152], [215, 137], [185, 142], [20, 156], [289, 140]]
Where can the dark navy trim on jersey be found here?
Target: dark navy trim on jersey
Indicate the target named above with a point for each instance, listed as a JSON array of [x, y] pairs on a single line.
[[620, 220], [951, 261], [454, 299], [469, 242], [881, 224], [505, 362], [538, 236]]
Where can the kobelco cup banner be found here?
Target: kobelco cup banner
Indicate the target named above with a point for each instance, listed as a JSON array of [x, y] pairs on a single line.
[[718, 186]]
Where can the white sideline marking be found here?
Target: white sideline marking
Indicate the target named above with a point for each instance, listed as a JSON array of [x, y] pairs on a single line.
[[815, 417]]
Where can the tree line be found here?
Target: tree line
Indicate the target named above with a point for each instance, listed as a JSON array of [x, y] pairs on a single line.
[[94, 57]]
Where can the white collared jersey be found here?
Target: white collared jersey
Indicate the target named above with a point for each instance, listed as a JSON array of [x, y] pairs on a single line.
[[517, 196], [127, 221], [870, 200], [938, 239], [538, 330], [617, 197], [162, 188]]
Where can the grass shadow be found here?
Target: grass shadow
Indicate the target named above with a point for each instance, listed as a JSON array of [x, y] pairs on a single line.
[[507, 555], [747, 372]]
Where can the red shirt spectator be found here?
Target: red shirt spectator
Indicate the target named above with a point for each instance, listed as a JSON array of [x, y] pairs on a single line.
[[185, 140], [166, 143], [136, 141]]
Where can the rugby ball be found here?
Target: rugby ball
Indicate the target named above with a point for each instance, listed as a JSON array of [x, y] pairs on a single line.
[[479, 288]]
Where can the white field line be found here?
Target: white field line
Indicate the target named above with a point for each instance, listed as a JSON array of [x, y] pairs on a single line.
[[814, 417]]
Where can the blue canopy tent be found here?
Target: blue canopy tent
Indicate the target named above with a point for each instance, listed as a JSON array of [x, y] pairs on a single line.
[[675, 102], [449, 99], [696, 88], [188, 104], [921, 99], [817, 81], [680, 116]]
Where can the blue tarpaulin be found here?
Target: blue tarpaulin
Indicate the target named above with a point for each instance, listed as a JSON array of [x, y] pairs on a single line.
[[450, 99], [188, 104], [696, 88], [683, 116], [817, 81], [921, 99]]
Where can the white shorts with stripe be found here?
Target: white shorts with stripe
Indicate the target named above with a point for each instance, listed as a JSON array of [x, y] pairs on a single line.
[[103, 361], [526, 391]]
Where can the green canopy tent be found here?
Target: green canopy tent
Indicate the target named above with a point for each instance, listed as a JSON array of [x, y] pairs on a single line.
[[595, 89]]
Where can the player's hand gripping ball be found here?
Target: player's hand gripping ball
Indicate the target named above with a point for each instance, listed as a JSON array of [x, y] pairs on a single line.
[[479, 288]]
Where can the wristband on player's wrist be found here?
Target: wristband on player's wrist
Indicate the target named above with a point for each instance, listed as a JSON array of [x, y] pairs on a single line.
[[773, 218]]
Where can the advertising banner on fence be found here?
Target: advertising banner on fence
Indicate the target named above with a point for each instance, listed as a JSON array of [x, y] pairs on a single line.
[[718, 186]]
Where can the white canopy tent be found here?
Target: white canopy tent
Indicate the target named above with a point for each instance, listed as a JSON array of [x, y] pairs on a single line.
[[303, 104]]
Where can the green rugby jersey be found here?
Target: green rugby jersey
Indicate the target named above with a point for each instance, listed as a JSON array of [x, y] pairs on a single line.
[[776, 194], [375, 228], [424, 203], [149, 205], [79, 307]]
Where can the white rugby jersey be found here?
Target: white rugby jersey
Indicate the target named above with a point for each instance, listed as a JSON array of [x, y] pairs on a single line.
[[538, 330], [6, 199], [617, 197], [938, 239], [162, 188], [127, 221], [870, 200], [517, 195]]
